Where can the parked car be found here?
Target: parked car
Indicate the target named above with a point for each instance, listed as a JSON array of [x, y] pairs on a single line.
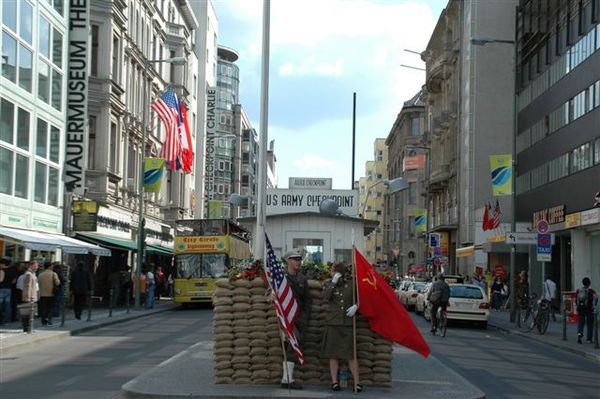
[[421, 299], [401, 290], [468, 302], [409, 296]]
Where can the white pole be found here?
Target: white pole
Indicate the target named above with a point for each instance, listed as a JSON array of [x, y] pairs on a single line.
[[261, 204]]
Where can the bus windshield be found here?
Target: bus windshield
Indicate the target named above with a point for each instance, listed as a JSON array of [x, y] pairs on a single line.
[[201, 265]]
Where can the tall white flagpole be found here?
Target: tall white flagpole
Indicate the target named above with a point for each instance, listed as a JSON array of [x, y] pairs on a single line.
[[261, 203]]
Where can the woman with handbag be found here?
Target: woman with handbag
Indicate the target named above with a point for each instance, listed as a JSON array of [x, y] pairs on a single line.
[[29, 297]]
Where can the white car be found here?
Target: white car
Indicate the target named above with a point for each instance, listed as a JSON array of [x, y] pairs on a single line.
[[468, 302], [409, 297], [422, 299]]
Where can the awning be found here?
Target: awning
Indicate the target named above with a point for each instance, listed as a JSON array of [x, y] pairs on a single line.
[[465, 251], [40, 241], [117, 243], [159, 249]]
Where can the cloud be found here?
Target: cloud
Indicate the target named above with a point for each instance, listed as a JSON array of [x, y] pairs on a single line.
[[314, 163], [310, 67]]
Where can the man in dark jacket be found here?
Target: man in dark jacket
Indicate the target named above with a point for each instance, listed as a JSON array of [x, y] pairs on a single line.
[[585, 309], [299, 284], [81, 286], [439, 295]]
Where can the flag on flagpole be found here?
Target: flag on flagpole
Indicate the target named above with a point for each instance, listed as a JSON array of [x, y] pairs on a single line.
[[168, 110], [378, 303], [485, 225], [495, 220], [286, 306], [187, 147]]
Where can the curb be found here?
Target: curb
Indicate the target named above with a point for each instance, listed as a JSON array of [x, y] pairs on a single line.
[[590, 356], [43, 336]]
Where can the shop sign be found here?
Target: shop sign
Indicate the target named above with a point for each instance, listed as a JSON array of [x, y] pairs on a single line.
[[281, 201], [591, 216], [573, 220], [206, 244], [553, 215], [416, 162], [309, 182], [85, 215], [114, 223]]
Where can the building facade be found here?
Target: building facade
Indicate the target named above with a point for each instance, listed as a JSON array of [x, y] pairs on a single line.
[[557, 135], [470, 117], [32, 119], [371, 200], [408, 158]]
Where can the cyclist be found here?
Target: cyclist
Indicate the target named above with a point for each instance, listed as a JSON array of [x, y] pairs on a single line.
[[438, 296]]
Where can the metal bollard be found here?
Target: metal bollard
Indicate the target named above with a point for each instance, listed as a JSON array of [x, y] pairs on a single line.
[[564, 323], [89, 300], [127, 299], [111, 294], [63, 309]]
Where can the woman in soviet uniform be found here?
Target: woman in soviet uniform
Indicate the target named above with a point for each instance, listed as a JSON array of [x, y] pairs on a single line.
[[337, 343]]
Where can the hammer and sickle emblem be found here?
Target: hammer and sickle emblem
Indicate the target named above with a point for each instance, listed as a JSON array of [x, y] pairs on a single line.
[[372, 281]]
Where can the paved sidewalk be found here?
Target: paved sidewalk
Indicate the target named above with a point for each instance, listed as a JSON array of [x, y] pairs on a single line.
[[189, 374], [12, 336], [553, 336]]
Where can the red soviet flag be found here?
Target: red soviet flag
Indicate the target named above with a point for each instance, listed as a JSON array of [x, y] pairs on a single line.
[[387, 316]]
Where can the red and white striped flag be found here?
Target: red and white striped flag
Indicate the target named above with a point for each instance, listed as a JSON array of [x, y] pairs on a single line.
[[167, 107], [285, 303], [495, 220], [187, 147]]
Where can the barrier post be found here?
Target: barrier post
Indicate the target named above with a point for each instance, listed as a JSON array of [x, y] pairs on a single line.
[[111, 294]]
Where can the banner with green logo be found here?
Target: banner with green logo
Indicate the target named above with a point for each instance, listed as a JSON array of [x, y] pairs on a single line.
[[153, 173], [501, 168], [420, 220]]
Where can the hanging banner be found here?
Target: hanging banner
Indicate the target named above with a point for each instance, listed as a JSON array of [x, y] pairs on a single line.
[[209, 146], [420, 220], [501, 167], [153, 173], [416, 162], [215, 209], [76, 139]]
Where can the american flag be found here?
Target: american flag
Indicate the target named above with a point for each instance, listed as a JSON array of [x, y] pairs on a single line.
[[168, 109], [285, 303], [495, 221]]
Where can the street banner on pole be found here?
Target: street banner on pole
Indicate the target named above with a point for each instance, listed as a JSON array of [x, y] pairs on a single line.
[[153, 173], [501, 169], [420, 220]]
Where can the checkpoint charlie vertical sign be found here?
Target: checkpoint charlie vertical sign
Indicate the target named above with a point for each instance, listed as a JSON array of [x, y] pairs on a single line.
[[77, 91]]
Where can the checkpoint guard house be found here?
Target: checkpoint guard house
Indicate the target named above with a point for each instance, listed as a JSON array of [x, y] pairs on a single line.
[[294, 220]]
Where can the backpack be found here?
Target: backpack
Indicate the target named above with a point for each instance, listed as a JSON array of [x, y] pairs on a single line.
[[582, 298]]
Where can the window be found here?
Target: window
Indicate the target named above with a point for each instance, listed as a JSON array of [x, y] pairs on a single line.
[[94, 55], [25, 68], [597, 152], [115, 58], [23, 129], [41, 171], [57, 48], [42, 138], [7, 120], [54, 144], [558, 167], [411, 227], [412, 193], [6, 170], [415, 127], [43, 81], [114, 148], [21, 176], [581, 158], [9, 14], [56, 89], [92, 143], [9, 57], [44, 37], [25, 21]]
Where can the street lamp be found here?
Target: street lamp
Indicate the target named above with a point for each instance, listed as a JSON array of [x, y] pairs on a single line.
[[513, 197], [141, 221], [394, 185]]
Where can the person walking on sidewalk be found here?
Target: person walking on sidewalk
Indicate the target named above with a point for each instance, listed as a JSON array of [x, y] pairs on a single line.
[[585, 310], [29, 297], [550, 295], [8, 277], [150, 287], [48, 281], [81, 286], [497, 293]]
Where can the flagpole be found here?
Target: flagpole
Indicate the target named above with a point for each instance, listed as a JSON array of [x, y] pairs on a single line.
[[354, 302]]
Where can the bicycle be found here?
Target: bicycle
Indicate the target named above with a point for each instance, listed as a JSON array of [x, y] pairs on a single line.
[[442, 321], [527, 313], [542, 317]]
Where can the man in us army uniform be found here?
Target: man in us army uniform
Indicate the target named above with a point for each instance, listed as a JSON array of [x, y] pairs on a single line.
[[299, 284]]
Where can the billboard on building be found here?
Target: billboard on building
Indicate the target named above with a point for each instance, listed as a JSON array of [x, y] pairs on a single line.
[[209, 157], [77, 93], [501, 170]]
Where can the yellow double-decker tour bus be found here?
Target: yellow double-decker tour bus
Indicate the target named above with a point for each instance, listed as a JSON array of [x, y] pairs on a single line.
[[204, 250]]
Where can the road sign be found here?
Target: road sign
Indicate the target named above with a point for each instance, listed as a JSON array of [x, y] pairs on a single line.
[[521, 238], [544, 247], [434, 240], [524, 238], [542, 226]]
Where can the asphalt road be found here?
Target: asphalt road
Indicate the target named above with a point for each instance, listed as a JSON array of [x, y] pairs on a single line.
[[96, 364], [507, 366]]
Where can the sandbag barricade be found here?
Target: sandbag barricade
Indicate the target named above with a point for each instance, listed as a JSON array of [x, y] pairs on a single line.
[[247, 344]]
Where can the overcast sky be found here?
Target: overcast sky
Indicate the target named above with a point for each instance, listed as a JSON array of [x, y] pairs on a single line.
[[321, 52]]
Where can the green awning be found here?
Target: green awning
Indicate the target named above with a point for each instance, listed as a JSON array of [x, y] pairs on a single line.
[[159, 249], [118, 243]]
